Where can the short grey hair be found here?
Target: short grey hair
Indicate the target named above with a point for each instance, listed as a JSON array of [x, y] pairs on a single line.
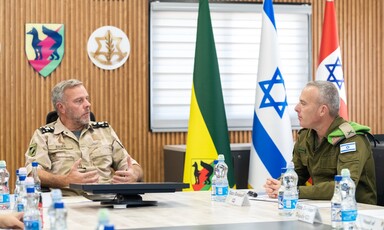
[[57, 93], [329, 95]]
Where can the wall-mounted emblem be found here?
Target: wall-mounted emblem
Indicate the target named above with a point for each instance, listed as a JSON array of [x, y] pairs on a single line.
[[108, 47], [44, 46]]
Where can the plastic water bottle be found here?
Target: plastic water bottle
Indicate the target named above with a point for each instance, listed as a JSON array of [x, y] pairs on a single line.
[[4, 189], [21, 195], [17, 185], [213, 183], [280, 194], [348, 203], [56, 198], [291, 196], [336, 205], [32, 220], [221, 170], [35, 177], [60, 216], [103, 219]]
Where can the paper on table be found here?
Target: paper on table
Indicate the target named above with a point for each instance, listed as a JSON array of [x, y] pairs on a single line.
[[378, 213], [326, 204], [264, 197]]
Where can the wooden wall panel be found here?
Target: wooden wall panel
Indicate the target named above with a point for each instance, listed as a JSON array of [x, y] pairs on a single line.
[[121, 97]]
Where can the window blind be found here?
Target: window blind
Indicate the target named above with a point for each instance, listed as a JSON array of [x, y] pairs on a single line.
[[236, 28]]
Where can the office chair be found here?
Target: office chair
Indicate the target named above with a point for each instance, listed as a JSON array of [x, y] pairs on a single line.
[[52, 116], [378, 157]]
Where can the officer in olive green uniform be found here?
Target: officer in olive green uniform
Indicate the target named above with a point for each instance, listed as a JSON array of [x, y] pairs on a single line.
[[56, 149], [326, 145], [323, 162]]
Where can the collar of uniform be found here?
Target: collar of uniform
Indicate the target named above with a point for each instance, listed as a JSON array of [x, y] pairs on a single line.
[[311, 135], [335, 125], [60, 127]]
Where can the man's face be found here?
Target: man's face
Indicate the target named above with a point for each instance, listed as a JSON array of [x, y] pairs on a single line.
[[76, 105], [309, 109]]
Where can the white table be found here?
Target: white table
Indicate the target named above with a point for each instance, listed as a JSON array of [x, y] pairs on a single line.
[[192, 210]]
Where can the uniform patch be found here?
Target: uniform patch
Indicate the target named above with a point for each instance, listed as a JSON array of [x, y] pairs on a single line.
[[348, 147], [32, 150]]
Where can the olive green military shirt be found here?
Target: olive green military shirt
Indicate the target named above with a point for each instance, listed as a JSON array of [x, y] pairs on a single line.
[[322, 161], [56, 149]]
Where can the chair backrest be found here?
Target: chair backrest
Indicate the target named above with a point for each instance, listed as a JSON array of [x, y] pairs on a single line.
[[52, 116], [378, 156]]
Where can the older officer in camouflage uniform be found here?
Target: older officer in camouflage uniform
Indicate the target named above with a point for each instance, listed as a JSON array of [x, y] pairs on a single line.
[[75, 150], [327, 144]]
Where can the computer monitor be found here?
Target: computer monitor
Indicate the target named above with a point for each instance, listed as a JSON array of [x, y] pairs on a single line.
[[125, 195]]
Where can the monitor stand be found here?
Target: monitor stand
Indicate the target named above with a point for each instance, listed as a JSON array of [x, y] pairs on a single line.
[[124, 201]]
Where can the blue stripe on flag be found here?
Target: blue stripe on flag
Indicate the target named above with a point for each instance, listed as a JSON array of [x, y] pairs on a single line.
[[265, 147], [268, 9]]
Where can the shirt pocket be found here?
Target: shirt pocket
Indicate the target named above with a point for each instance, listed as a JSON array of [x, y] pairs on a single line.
[[328, 161], [101, 156], [60, 152], [61, 156]]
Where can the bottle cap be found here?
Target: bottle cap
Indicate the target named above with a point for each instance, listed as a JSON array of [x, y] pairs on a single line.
[[221, 157], [338, 177], [345, 172], [3, 164], [58, 205], [35, 164], [30, 189], [109, 227]]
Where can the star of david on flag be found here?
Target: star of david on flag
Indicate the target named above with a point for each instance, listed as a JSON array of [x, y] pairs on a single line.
[[272, 141], [268, 99], [332, 77], [330, 64]]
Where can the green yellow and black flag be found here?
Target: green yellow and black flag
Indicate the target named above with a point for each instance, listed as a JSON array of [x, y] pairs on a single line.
[[207, 129]]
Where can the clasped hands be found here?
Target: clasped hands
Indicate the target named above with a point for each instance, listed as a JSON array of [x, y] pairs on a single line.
[[271, 187], [127, 175]]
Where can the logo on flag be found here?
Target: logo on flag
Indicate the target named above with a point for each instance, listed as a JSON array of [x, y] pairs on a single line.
[[44, 46], [201, 173]]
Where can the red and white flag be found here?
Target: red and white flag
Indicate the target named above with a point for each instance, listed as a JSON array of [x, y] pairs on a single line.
[[330, 65]]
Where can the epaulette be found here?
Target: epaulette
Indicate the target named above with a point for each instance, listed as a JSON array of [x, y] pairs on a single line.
[[100, 124], [47, 129], [347, 130]]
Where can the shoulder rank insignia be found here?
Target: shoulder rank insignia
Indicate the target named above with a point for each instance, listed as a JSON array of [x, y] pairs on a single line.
[[47, 129], [100, 124]]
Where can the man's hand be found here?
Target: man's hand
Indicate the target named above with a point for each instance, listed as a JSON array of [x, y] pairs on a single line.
[[272, 187], [126, 176], [12, 220], [76, 177]]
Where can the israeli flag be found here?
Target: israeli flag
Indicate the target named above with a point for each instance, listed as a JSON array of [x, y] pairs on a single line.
[[272, 141]]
